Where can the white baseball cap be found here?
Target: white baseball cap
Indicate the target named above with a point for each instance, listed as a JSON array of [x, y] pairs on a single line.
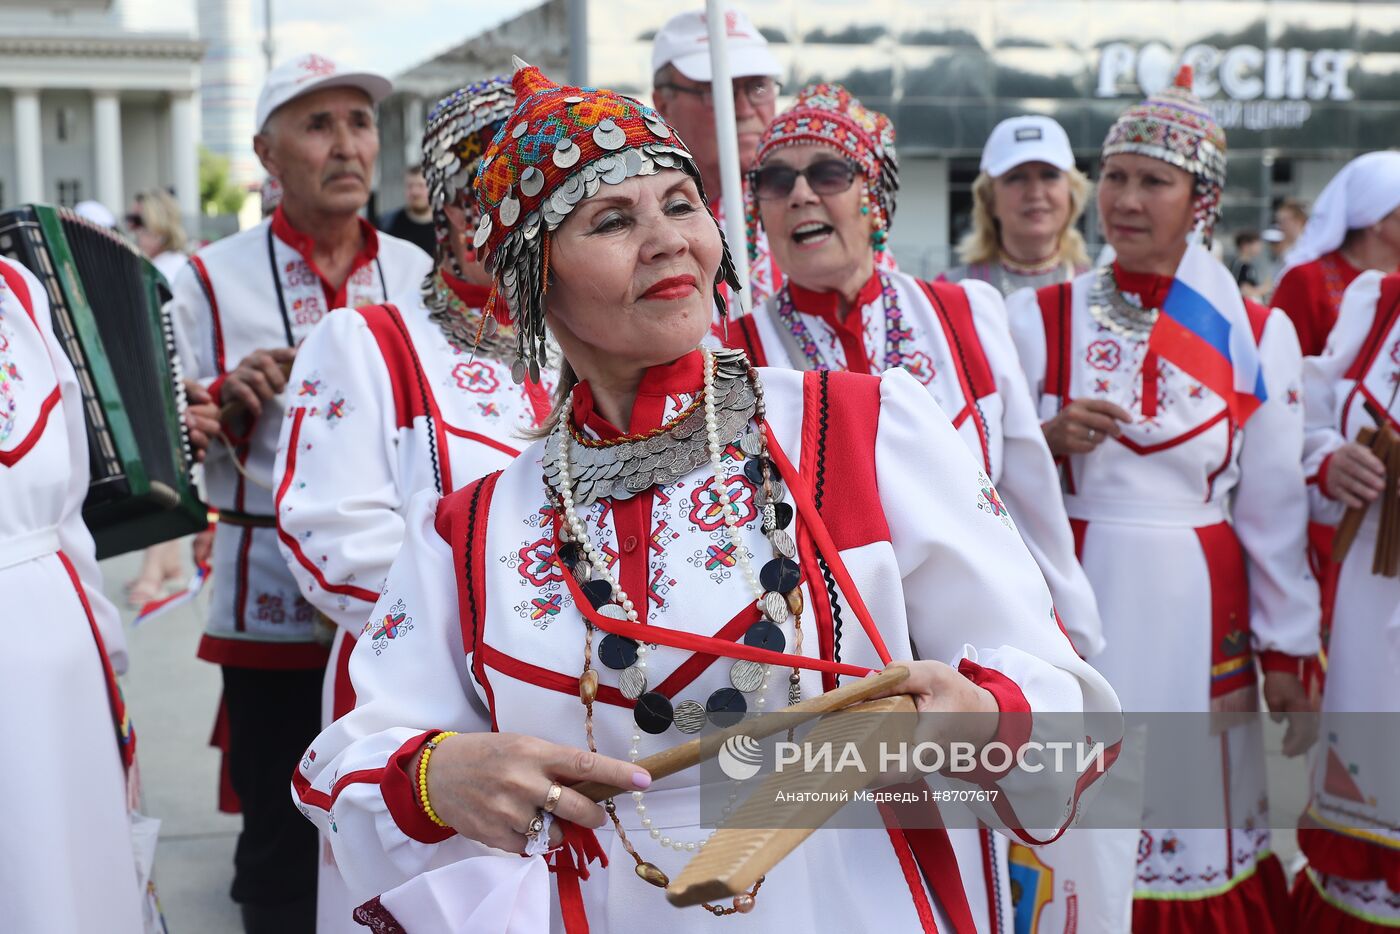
[[1030, 138], [312, 72], [685, 43]]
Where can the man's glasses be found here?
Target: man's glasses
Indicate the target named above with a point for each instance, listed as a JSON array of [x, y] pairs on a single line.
[[826, 177], [758, 91]]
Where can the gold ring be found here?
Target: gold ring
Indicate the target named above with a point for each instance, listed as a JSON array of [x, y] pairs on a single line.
[[551, 800]]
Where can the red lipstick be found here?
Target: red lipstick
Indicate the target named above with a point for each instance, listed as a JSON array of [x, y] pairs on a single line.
[[671, 289]]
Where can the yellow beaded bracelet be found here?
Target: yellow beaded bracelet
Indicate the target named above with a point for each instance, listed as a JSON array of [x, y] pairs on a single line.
[[423, 778]]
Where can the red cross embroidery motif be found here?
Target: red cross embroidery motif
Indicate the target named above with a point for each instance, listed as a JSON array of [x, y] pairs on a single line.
[[310, 387], [489, 409], [537, 563], [720, 556], [1102, 385], [732, 452], [545, 607], [920, 366], [1197, 391], [336, 409], [1104, 355]]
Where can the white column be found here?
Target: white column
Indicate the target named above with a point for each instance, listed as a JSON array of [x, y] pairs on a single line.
[[29, 146], [184, 156], [107, 149], [412, 130]]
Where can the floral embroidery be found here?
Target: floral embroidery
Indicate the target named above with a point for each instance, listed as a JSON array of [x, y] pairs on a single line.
[[920, 366], [310, 387], [476, 376], [9, 380], [706, 511], [537, 564], [392, 625], [1104, 355], [989, 501], [489, 409]]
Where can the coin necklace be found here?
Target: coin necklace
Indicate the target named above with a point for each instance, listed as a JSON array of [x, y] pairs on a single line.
[[776, 595], [1114, 312], [469, 330]]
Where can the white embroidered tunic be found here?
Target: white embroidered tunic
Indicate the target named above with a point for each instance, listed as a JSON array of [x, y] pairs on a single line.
[[935, 562], [968, 364], [1193, 533], [257, 290], [1353, 811], [380, 406], [66, 852]]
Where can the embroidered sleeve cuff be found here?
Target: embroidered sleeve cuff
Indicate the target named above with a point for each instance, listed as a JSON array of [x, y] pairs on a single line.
[[1322, 476], [1012, 731], [400, 793]]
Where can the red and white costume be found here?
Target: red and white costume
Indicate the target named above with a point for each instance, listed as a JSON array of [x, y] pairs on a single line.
[[958, 345], [482, 563], [1350, 833], [66, 853], [1192, 530], [412, 412], [260, 289]]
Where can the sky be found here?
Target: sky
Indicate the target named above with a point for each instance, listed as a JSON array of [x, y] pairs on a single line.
[[388, 36]]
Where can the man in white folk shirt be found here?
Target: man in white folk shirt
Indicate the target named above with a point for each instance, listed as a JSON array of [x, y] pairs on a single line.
[[680, 62], [241, 307]]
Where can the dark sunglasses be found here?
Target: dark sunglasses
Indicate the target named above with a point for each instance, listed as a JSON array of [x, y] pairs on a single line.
[[827, 177]]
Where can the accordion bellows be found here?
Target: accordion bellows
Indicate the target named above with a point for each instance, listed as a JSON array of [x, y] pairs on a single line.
[[107, 306]]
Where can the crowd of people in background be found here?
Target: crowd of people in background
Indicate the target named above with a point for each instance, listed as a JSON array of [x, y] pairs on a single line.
[[510, 496]]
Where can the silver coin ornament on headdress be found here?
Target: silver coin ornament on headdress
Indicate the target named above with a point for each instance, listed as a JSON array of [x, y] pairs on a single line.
[[558, 148]]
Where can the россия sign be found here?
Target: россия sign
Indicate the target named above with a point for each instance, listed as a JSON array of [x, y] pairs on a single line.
[[1246, 86]]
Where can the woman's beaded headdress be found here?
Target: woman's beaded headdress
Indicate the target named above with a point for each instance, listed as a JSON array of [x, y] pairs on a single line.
[[832, 115], [559, 146], [1174, 126], [460, 127]]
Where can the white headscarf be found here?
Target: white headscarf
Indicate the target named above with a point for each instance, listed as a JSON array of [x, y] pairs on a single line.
[[1364, 191]]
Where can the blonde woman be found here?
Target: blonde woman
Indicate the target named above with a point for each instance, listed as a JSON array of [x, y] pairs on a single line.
[[155, 224], [1026, 202]]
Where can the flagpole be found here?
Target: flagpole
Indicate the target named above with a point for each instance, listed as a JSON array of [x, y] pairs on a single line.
[[726, 131]]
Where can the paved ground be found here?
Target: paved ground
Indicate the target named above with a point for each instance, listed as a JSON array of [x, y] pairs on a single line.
[[173, 697]]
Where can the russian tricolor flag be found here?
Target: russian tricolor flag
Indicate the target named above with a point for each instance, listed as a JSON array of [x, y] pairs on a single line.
[[1204, 329]]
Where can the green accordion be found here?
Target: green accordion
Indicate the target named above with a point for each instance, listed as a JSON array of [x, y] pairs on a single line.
[[107, 303]]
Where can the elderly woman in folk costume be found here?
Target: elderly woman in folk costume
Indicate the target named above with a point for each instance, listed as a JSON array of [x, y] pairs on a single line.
[[415, 394], [1026, 201], [825, 186], [669, 531], [1190, 503], [1348, 833]]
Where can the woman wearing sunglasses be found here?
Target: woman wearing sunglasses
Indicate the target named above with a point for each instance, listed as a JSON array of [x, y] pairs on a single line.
[[656, 561], [825, 189]]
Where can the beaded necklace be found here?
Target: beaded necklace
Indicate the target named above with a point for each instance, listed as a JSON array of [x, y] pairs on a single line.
[[776, 595], [896, 336]]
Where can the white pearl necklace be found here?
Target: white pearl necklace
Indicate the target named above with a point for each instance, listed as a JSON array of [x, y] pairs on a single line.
[[579, 534]]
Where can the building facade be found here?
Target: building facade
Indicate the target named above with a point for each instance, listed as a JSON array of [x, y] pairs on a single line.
[[1301, 87], [99, 100]]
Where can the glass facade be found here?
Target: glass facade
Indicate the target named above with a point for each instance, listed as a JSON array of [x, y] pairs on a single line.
[[1300, 86]]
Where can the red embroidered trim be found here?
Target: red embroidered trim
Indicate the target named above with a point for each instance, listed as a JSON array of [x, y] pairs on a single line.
[[350, 590], [203, 273], [16, 454], [1014, 731], [380, 920]]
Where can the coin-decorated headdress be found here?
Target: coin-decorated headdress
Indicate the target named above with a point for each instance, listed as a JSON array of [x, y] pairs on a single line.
[[559, 146], [1175, 126], [460, 128]]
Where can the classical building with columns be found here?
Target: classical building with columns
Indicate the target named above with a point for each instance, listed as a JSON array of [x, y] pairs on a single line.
[[99, 100]]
